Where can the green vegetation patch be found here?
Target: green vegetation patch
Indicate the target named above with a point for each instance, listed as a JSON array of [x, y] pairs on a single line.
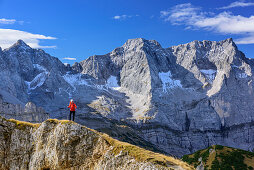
[[24, 125], [219, 147], [193, 159], [205, 155], [226, 158], [234, 159]]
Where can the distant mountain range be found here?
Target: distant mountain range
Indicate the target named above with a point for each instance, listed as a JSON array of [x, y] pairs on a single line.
[[176, 100]]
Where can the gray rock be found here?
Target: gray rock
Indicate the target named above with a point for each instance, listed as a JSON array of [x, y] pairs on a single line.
[[30, 112]]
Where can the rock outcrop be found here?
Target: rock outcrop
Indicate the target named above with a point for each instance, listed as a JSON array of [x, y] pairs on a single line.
[[30, 112], [56, 144]]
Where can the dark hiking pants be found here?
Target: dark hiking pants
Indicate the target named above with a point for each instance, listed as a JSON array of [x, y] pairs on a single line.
[[73, 114]]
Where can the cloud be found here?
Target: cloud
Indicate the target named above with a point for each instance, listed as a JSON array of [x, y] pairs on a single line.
[[180, 13], [10, 21], [152, 16], [238, 4], [69, 58], [246, 40], [9, 36], [122, 17], [119, 17], [7, 21], [226, 23]]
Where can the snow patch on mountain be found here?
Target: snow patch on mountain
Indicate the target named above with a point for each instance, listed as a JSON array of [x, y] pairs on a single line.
[[209, 74], [242, 75], [39, 80], [39, 67], [168, 82], [235, 66], [74, 79], [112, 83]]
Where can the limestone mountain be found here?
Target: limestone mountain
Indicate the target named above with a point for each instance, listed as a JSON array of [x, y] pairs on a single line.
[[177, 100]]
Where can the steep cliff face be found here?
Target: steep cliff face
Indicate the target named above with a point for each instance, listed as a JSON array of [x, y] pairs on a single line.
[[205, 98], [31, 75], [178, 99], [182, 98], [64, 144], [30, 112]]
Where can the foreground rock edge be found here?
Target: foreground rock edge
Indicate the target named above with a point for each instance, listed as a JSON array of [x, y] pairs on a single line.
[[37, 146]]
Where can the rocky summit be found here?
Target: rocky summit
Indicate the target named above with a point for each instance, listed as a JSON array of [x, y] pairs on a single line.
[[175, 100], [56, 144]]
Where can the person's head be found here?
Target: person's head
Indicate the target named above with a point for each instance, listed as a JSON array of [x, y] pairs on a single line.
[[71, 100]]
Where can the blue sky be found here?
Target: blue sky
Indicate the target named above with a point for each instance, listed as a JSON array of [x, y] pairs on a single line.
[[78, 29]]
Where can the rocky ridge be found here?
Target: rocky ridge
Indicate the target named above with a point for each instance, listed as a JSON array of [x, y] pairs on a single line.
[[63, 144]]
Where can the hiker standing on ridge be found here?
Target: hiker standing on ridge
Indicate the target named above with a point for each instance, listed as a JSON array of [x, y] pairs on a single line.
[[72, 107]]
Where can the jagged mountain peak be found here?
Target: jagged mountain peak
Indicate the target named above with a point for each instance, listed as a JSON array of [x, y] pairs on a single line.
[[133, 43], [229, 40], [207, 43], [216, 51], [20, 44]]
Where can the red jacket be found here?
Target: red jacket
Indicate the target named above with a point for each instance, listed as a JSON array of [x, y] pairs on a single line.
[[72, 106]]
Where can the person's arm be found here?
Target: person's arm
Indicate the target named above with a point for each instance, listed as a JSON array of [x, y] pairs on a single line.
[[75, 106]]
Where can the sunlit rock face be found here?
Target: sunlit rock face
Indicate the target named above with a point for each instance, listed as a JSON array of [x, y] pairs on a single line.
[[179, 99], [59, 145]]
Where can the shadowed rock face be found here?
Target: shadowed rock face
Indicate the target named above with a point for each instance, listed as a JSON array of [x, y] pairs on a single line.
[[179, 99], [30, 112], [64, 145]]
